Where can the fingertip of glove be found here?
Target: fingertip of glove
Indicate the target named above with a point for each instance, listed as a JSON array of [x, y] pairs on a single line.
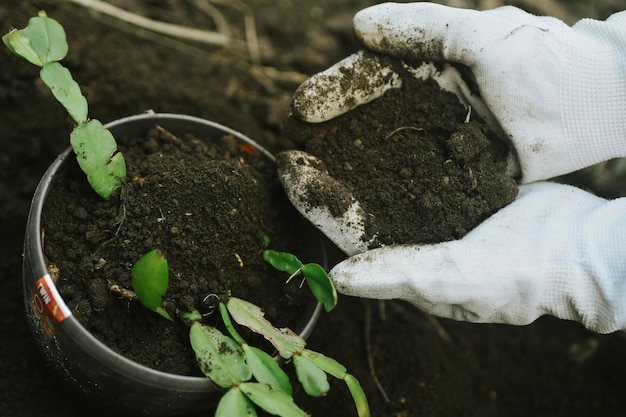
[[308, 105]]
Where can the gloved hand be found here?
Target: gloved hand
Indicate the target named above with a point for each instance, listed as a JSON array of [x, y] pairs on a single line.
[[558, 94], [556, 250]]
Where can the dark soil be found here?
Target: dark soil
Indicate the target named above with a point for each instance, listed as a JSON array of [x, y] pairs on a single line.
[[421, 171], [207, 204], [426, 367]]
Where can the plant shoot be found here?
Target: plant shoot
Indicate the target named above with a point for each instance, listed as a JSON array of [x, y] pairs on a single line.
[[43, 43]]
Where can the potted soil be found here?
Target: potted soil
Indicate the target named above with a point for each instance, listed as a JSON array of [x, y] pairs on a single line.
[[108, 366], [422, 166], [181, 196]]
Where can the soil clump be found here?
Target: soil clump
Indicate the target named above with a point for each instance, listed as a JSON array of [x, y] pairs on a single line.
[[421, 170]]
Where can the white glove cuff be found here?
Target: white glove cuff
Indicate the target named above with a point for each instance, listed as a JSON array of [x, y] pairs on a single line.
[[595, 90], [592, 103]]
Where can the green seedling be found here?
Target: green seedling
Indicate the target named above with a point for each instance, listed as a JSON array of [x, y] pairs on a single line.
[[232, 364], [311, 367], [251, 377], [43, 43], [316, 277], [150, 280]]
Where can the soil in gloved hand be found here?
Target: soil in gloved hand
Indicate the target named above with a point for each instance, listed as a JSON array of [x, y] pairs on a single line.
[[423, 168]]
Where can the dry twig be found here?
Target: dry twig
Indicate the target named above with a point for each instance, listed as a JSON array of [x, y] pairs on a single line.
[[170, 29]]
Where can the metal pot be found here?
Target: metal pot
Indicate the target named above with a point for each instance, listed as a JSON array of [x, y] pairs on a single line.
[[97, 371]]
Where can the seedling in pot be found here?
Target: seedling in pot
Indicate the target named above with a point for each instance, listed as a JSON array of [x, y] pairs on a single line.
[[250, 376], [43, 44], [312, 368]]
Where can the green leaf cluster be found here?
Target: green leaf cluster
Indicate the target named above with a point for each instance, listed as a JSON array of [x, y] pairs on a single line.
[[251, 377], [312, 368], [254, 378], [232, 365], [43, 43]]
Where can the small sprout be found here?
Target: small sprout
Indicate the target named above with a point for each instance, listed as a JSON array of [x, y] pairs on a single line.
[[150, 280], [316, 277], [43, 43], [251, 377]]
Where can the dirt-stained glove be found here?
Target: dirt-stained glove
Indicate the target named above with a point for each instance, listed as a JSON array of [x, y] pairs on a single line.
[[556, 91], [558, 94], [556, 250]]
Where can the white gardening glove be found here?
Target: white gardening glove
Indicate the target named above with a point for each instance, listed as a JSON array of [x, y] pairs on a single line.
[[559, 95], [556, 91], [555, 250]]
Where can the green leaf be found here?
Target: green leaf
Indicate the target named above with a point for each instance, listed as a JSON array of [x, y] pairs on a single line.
[[337, 370], [229, 325], [272, 400], [266, 369], [321, 286], [313, 379], [247, 314], [220, 358], [235, 404], [360, 400], [41, 42], [95, 150], [282, 261], [150, 278], [327, 364], [21, 46], [65, 90]]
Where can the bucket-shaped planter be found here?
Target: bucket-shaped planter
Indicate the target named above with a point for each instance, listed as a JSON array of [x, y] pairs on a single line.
[[98, 371]]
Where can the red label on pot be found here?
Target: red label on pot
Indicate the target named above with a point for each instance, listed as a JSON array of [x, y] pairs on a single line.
[[46, 305]]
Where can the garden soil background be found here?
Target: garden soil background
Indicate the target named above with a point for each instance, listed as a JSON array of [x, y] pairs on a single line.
[[409, 364]]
